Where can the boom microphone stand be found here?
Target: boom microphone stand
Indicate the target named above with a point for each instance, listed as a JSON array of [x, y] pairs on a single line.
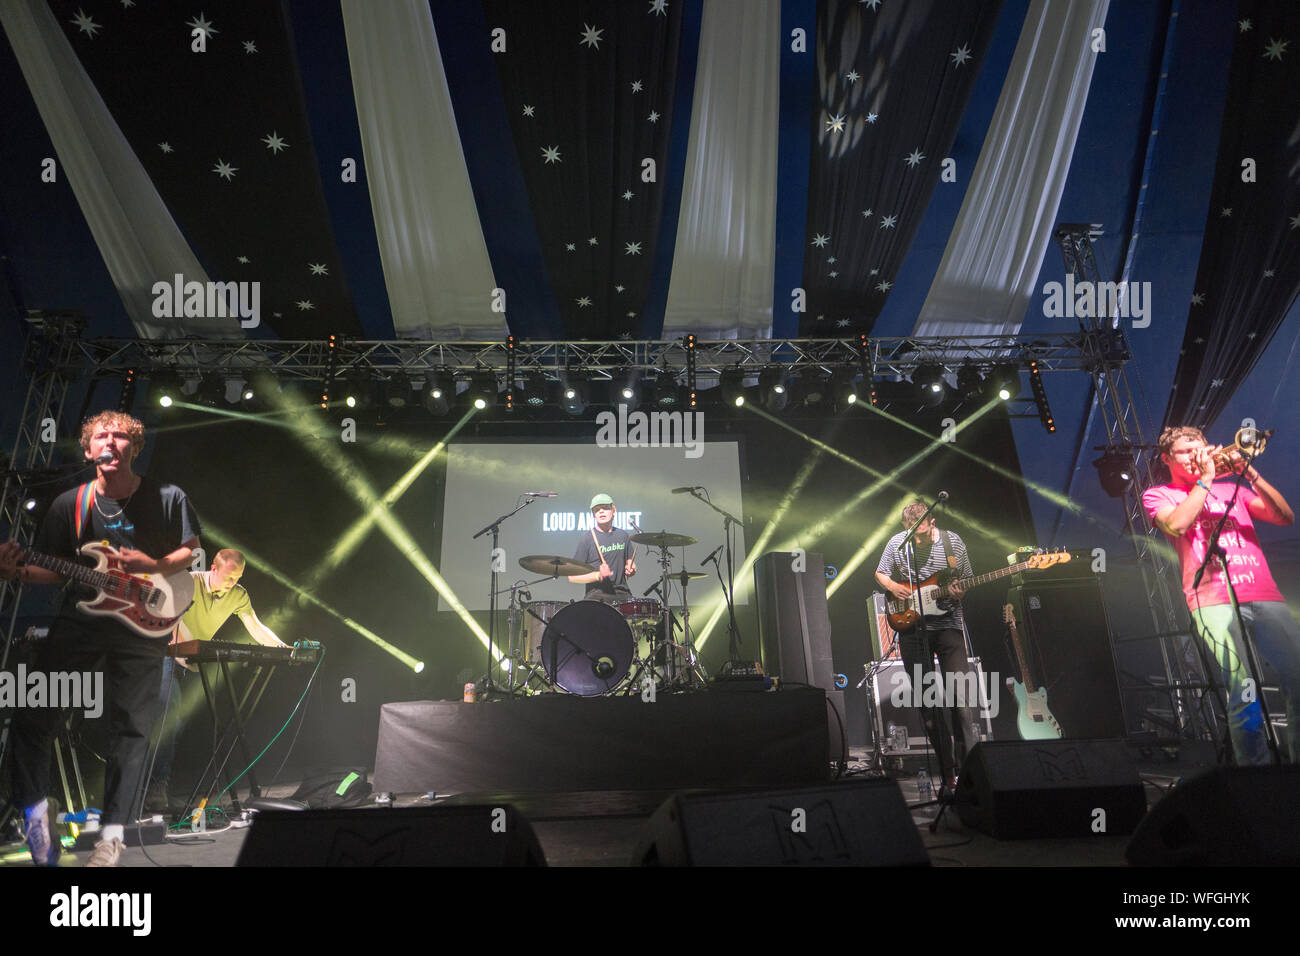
[[728, 586], [495, 528]]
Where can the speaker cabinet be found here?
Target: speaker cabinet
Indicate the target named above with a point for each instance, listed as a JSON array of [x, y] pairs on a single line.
[[1031, 789], [794, 628], [416, 836], [1066, 633], [1229, 816], [855, 823]]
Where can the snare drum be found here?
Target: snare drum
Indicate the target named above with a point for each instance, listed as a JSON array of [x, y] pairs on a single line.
[[587, 648], [640, 611]]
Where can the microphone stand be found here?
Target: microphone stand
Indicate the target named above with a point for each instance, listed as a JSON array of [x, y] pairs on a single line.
[[1213, 550], [495, 528], [728, 586]]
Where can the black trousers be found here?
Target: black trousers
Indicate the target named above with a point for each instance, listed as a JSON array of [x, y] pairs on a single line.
[[132, 669], [950, 647]]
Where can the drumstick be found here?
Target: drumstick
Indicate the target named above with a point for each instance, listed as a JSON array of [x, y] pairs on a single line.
[[600, 554]]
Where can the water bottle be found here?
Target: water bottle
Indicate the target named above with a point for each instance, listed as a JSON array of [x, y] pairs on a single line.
[[898, 733], [924, 789]]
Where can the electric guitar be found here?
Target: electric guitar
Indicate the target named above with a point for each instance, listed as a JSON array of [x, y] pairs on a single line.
[[149, 604], [1033, 719], [905, 613]]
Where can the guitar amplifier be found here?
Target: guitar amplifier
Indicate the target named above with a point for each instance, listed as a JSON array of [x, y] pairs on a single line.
[[900, 729], [884, 643]]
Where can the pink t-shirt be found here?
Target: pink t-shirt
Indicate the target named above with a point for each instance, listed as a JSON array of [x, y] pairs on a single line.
[[1250, 575]]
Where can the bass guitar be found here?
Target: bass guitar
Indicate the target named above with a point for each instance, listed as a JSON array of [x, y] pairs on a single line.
[[904, 614], [1033, 719], [149, 604]]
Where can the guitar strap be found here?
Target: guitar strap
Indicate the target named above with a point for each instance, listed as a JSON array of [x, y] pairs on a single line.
[[85, 501], [947, 546]]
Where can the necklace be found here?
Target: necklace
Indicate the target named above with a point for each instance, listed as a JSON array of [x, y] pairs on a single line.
[[118, 513]]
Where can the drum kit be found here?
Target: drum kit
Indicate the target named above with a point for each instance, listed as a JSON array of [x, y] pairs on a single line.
[[595, 648]]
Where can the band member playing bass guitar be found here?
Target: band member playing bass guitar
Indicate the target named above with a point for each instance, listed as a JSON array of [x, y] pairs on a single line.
[[155, 530], [1188, 509], [942, 635], [605, 548]]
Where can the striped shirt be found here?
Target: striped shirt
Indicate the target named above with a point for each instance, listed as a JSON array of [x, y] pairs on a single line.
[[891, 564]]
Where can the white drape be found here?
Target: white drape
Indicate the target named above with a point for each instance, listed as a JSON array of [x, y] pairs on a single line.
[[136, 234], [436, 263], [986, 279], [725, 254]]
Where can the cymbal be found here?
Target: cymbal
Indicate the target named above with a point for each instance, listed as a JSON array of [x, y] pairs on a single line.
[[692, 575], [663, 539], [554, 565]]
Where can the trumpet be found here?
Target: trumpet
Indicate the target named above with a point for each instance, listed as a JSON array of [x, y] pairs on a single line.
[[1248, 443]]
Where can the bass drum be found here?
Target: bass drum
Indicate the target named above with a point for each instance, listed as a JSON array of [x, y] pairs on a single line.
[[587, 648]]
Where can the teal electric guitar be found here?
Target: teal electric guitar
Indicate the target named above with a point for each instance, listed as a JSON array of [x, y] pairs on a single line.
[[1033, 720]]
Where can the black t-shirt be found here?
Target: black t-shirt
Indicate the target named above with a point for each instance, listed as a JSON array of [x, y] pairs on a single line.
[[614, 547], [157, 519]]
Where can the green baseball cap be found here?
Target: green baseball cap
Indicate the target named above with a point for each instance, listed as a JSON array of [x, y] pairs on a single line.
[[601, 499]]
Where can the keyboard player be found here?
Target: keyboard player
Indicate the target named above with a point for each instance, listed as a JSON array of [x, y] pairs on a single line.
[[218, 596]]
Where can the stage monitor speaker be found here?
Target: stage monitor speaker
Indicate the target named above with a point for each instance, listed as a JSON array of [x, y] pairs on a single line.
[[416, 836], [794, 628], [1067, 638], [1031, 789], [855, 823], [1228, 816]]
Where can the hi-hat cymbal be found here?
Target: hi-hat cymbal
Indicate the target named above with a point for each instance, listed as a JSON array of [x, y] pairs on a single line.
[[690, 574], [554, 565], [663, 539]]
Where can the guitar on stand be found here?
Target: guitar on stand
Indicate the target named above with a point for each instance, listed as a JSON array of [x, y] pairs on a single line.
[[1033, 720], [149, 604], [927, 599]]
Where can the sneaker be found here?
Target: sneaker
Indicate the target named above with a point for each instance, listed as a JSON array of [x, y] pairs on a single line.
[[41, 839], [106, 853]]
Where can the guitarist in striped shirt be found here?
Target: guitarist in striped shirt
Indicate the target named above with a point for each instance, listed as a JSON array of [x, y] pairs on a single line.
[[154, 529], [936, 551]]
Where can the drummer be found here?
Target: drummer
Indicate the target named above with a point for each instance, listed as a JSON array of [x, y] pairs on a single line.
[[605, 548]]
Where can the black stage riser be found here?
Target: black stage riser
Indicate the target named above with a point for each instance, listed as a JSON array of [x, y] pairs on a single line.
[[557, 743]]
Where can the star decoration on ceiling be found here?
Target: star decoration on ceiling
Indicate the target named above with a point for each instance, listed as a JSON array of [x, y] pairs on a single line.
[[242, 260], [830, 260], [619, 288], [875, 272], [628, 194], [305, 305], [1251, 335], [1226, 213], [204, 25], [653, 117], [250, 46], [225, 170], [1244, 25], [318, 268], [835, 124], [852, 76], [914, 157], [551, 154], [167, 148], [833, 274], [866, 213], [872, 117], [884, 285], [583, 302], [1268, 273], [1198, 299], [842, 323], [820, 241], [636, 86], [274, 142], [593, 241], [633, 249], [630, 315], [1275, 49], [570, 247], [128, 4], [888, 222], [529, 110], [658, 7], [590, 37], [1295, 222], [960, 55], [1216, 383], [85, 24], [871, 3]]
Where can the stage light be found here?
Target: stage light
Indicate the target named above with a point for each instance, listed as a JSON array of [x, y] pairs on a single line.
[[970, 383], [359, 390], [625, 389], [574, 393], [1040, 397], [439, 390], [928, 380], [692, 396], [127, 397], [733, 387], [1004, 382], [164, 389], [535, 389], [1115, 470], [260, 391], [844, 387], [775, 391], [667, 394], [398, 391], [482, 391], [211, 391]]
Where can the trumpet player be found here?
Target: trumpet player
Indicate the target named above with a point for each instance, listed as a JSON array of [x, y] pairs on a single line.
[[1188, 509]]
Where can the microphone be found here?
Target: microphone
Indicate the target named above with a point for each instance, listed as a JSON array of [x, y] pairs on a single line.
[[943, 496], [541, 494], [103, 458], [712, 556], [686, 488]]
